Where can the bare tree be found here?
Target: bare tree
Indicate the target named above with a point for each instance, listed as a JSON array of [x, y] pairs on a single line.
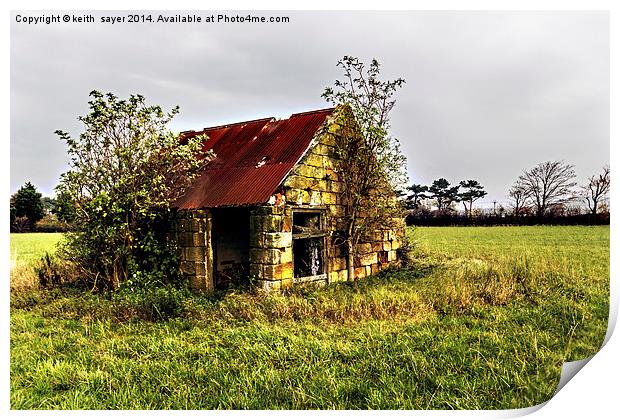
[[518, 199], [371, 165], [548, 183], [597, 189]]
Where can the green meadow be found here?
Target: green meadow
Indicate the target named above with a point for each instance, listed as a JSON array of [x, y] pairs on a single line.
[[28, 248], [482, 318]]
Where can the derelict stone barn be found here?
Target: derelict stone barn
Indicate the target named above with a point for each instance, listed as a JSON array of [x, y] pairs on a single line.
[[267, 207]]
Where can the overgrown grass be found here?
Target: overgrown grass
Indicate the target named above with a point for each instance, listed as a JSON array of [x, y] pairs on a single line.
[[484, 319]]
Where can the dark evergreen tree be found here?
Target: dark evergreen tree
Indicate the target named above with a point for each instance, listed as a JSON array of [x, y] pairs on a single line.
[[27, 203], [416, 194], [443, 194], [472, 192]]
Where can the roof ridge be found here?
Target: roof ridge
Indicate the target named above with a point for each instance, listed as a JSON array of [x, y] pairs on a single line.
[[316, 111], [266, 119]]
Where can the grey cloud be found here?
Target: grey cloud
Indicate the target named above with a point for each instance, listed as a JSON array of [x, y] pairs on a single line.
[[487, 95]]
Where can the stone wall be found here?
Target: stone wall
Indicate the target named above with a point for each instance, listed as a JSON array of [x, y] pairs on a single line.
[[314, 183], [271, 246], [193, 235]]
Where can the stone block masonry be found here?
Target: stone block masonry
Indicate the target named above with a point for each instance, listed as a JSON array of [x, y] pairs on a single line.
[[271, 247], [314, 183], [193, 235]]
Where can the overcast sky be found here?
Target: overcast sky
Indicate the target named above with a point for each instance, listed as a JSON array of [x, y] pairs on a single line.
[[488, 94]]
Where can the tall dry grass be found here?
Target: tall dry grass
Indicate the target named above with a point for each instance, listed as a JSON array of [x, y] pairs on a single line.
[[22, 275]]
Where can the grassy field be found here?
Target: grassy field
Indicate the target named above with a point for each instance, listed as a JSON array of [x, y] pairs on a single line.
[[483, 318], [28, 248]]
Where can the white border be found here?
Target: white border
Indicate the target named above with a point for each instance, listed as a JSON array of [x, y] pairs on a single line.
[[591, 393]]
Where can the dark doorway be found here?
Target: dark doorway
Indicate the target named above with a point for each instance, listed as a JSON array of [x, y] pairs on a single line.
[[231, 246]]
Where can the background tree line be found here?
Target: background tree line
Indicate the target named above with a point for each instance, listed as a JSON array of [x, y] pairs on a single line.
[[30, 211], [547, 193]]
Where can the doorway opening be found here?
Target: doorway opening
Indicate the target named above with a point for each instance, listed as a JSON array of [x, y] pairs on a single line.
[[231, 246]]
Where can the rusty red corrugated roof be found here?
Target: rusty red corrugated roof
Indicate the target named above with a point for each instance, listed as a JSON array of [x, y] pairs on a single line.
[[252, 159]]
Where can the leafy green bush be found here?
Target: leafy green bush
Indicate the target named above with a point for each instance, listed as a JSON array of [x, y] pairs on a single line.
[[126, 170]]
